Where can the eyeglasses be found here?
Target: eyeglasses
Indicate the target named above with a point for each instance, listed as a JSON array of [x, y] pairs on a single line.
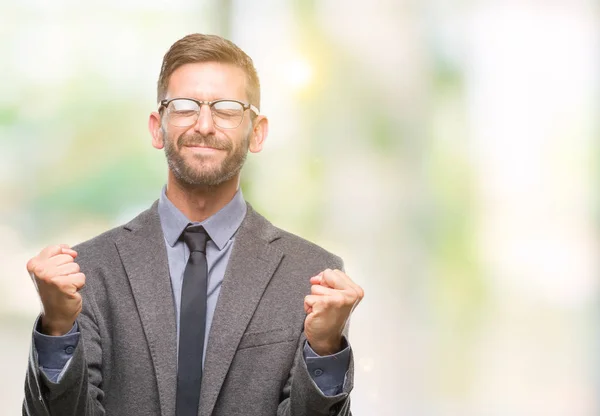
[[226, 114]]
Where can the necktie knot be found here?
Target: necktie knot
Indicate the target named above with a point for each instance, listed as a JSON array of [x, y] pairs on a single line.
[[195, 237]]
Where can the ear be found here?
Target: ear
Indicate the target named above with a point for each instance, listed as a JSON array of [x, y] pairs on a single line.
[[259, 134], [155, 128]]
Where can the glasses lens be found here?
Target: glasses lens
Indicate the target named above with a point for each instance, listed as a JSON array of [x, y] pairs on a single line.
[[227, 114], [182, 112]]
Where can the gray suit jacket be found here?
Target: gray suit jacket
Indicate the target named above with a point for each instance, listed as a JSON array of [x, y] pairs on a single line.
[[126, 359]]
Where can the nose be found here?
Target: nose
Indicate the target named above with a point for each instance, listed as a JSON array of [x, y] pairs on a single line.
[[205, 125]]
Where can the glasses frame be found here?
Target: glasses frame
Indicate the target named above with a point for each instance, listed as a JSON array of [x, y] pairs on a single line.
[[246, 106]]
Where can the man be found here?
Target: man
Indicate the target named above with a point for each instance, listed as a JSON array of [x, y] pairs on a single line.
[[198, 306]]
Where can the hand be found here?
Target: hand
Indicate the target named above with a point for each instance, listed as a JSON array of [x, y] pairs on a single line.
[[333, 298], [58, 280]]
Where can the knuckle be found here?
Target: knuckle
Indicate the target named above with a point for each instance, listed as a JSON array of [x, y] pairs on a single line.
[[31, 264], [355, 293], [361, 293], [39, 270], [48, 249], [51, 251]]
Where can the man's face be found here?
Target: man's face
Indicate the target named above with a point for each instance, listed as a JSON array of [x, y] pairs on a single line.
[[204, 154]]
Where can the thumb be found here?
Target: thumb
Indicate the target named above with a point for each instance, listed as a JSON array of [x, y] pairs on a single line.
[[66, 249]]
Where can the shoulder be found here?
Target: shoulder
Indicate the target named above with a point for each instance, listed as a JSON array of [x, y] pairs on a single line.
[[101, 242], [293, 246], [98, 255], [102, 248]]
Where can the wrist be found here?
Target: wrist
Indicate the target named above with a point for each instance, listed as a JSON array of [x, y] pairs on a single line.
[[54, 328], [327, 347]]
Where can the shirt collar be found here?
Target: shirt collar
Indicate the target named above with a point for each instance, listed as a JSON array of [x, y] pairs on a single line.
[[221, 226]]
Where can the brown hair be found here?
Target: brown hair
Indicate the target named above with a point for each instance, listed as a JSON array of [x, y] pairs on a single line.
[[207, 48]]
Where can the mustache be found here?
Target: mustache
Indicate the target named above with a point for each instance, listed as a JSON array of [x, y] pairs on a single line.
[[199, 140]]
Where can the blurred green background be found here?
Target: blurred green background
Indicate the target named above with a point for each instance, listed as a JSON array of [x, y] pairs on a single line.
[[446, 150]]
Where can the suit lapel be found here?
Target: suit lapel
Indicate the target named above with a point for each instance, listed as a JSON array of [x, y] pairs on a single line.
[[144, 256], [251, 266]]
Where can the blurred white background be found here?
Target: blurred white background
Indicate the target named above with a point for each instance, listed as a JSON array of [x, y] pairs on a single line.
[[448, 151]]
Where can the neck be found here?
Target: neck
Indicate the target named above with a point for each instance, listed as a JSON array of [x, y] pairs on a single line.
[[198, 203]]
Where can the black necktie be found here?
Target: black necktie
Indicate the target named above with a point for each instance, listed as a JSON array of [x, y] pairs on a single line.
[[192, 321]]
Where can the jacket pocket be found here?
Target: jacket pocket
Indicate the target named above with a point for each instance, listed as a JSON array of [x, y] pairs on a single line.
[[274, 336]]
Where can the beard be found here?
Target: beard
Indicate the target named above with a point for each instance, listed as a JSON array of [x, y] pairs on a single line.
[[201, 172]]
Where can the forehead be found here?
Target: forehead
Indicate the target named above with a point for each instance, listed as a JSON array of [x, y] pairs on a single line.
[[208, 81]]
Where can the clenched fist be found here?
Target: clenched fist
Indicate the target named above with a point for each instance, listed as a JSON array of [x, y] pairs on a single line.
[[58, 280], [333, 298]]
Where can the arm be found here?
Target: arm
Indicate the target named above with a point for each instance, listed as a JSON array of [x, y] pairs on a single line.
[[77, 392], [333, 298]]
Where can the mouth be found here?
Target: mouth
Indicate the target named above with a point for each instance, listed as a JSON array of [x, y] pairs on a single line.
[[200, 148]]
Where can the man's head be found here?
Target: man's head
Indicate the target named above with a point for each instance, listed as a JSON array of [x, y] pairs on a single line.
[[197, 48], [206, 144]]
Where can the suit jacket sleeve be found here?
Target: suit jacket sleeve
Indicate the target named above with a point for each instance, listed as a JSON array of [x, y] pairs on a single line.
[[78, 392], [301, 395]]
